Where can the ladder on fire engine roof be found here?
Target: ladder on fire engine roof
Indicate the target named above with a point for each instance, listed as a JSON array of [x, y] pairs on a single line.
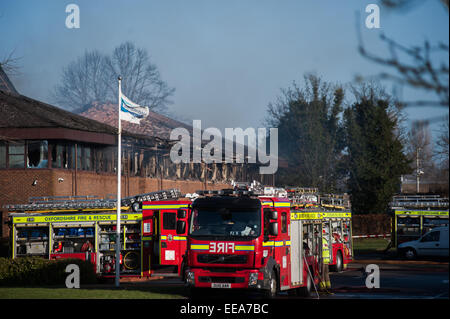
[[90, 202], [254, 188], [335, 201], [302, 190], [419, 201], [303, 196]]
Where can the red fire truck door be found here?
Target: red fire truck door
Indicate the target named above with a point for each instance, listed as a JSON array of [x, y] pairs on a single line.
[[169, 250]]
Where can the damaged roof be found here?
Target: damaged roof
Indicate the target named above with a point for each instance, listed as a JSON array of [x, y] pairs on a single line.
[[5, 83], [155, 124], [18, 111]]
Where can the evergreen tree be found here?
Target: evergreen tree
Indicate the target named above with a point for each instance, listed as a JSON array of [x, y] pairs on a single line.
[[375, 158], [309, 133]]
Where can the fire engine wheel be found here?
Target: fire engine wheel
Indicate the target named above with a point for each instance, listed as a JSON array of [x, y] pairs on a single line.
[[273, 286], [339, 262], [307, 290]]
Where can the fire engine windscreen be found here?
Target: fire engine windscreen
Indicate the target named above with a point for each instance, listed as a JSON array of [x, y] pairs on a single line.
[[225, 222]]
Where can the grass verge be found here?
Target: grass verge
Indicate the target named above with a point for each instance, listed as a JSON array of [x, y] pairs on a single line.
[[128, 292], [369, 245]]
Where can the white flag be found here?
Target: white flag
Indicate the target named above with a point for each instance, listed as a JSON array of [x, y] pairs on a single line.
[[132, 112]]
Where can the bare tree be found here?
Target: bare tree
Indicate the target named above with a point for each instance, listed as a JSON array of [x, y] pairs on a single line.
[[82, 82], [442, 150], [9, 64], [419, 148], [93, 78], [415, 66], [141, 79]]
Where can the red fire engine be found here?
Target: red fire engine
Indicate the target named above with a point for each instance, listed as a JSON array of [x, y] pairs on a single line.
[[85, 228], [336, 223], [252, 242], [337, 231]]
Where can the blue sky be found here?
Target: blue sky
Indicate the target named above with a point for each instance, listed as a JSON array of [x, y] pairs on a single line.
[[227, 59]]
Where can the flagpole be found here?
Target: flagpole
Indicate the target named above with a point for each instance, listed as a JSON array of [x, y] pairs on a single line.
[[119, 204]]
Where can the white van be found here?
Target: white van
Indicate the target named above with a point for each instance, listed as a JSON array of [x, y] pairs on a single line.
[[433, 243]]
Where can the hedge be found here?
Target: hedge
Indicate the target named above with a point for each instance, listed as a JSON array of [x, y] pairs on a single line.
[[36, 271], [371, 224]]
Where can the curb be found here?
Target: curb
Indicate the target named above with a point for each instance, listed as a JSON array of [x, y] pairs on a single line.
[[400, 267], [345, 289], [137, 279], [398, 262]]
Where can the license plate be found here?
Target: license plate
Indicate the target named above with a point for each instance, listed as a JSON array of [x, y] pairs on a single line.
[[220, 285]]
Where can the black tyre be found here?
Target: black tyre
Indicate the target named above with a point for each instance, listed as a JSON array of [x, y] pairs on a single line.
[[409, 253], [307, 290], [273, 286], [183, 272], [339, 263]]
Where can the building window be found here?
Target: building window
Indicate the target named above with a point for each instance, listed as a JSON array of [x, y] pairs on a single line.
[[87, 158], [37, 154], [57, 155], [71, 156], [16, 155], [79, 157], [65, 156], [2, 155]]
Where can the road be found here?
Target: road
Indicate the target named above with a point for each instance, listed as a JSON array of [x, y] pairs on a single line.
[[399, 279], [395, 283]]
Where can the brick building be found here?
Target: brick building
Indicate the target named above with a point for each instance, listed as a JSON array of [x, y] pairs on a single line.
[[47, 151]]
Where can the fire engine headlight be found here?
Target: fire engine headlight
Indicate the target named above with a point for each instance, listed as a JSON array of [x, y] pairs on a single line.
[[252, 279], [190, 278]]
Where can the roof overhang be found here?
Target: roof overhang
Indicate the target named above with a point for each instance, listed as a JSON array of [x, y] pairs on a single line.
[[58, 133]]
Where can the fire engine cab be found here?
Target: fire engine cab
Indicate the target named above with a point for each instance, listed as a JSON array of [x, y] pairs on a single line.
[[163, 245], [250, 241]]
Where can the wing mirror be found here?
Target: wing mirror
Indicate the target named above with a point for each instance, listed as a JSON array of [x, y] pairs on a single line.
[[181, 227], [181, 214], [273, 214], [273, 229]]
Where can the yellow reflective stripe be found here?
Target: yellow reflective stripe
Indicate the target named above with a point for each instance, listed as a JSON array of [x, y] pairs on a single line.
[[244, 247], [74, 218], [336, 215], [278, 243], [200, 247], [425, 213], [173, 238], [277, 204], [147, 238], [282, 204], [165, 206], [302, 215]]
